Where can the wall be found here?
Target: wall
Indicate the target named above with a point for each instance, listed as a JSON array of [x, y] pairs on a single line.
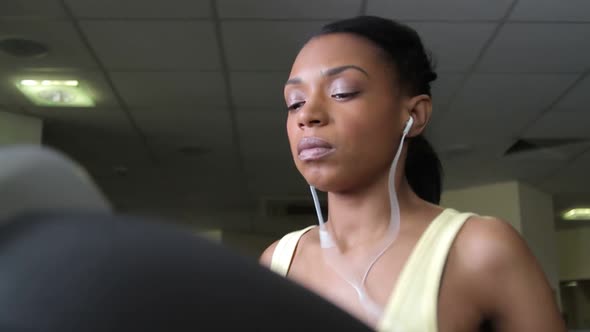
[[527, 209], [576, 301], [499, 200], [19, 129], [573, 248], [538, 228]]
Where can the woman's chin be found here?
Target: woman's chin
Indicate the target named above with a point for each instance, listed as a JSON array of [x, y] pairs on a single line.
[[318, 182], [325, 182], [328, 179]]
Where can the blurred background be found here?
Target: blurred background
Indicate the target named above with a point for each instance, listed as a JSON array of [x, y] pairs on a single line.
[[175, 108]]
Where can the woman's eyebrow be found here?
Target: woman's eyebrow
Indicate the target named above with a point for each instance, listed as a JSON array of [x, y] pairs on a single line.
[[340, 69], [329, 72]]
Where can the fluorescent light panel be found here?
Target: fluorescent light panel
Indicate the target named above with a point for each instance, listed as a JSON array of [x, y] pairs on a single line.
[[55, 93], [577, 214]]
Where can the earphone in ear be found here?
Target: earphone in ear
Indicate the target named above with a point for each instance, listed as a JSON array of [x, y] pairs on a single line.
[[409, 124]]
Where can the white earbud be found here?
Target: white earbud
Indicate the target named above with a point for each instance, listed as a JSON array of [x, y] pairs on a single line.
[[409, 124]]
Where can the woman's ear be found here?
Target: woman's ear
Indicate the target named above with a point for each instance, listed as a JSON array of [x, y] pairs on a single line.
[[420, 108]]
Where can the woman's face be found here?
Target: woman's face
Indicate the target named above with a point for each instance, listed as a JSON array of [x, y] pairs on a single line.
[[344, 120]]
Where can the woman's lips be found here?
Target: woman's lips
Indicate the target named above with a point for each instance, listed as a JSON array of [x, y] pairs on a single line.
[[313, 148]]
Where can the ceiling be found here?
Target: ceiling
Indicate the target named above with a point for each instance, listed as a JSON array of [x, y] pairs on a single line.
[[189, 121]]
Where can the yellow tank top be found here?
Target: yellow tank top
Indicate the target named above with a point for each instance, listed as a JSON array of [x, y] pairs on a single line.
[[413, 304]]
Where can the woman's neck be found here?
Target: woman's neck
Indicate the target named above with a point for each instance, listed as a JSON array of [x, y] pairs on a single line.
[[362, 217]]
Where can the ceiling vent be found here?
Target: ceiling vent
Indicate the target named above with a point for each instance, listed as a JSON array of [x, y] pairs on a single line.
[[542, 146]]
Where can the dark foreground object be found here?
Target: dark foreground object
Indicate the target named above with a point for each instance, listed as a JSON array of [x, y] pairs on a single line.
[[95, 272]]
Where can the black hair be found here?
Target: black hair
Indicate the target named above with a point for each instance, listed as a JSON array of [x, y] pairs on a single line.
[[415, 73]]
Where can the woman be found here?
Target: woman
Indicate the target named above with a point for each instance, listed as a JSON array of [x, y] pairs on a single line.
[[356, 90]]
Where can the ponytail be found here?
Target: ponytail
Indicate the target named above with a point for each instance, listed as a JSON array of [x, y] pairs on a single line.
[[424, 170]]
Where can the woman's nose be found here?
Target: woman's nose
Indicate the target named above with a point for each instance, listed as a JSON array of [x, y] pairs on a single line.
[[313, 114]]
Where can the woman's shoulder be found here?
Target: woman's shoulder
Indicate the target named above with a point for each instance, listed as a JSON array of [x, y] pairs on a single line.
[[495, 268], [488, 256], [486, 244], [305, 235], [266, 257]]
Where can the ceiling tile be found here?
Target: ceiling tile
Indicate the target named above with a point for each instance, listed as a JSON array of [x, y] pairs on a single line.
[[557, 155], [283, 9], [561, 124], [466, 131], [461, 175], [266, 154], [258, 150], [32, 8], [454, 46], [496, 172], [569, 179], [510, 92], [272, 157], [274, 45], [498, 106], [469, 154], [445, 86], [275, 178], [578, 99], [264, 45], [178, 164], [470, 164], [551, 10], [529, 171], [439, 10], [521, 47], [437, 115], [485, 164], [266, 128], [154, 45], [138, 186], [166, 89], [94, 119], [62, 39], [261, 90], [207, 128], [140, 9], [215, 172], [98, 150]]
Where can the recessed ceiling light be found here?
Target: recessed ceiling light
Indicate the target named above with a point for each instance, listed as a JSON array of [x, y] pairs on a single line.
[[577, 214], [23, 48], [55, 93]]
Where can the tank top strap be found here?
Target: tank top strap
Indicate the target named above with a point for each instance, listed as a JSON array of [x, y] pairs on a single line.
[[285, 250], [413, 306]]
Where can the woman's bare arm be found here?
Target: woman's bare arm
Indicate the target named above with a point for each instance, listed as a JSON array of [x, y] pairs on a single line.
[[505, 278]]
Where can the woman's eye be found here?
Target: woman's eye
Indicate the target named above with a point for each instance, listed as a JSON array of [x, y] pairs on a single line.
[[295, 106], [344, 96]]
